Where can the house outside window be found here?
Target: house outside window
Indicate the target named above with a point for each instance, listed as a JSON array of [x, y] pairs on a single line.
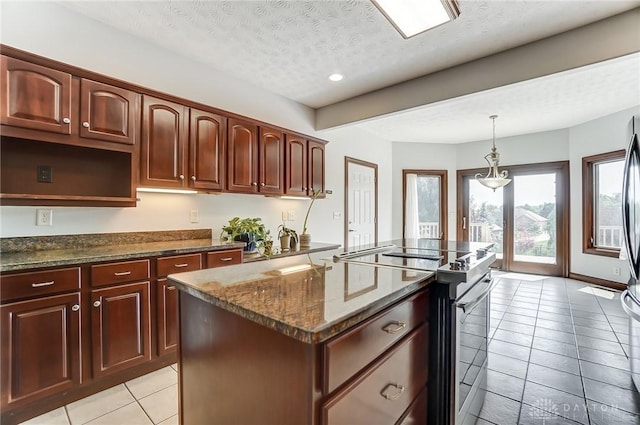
[[602, 203]]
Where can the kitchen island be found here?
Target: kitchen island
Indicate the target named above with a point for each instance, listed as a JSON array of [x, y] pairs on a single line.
[[303, 340]]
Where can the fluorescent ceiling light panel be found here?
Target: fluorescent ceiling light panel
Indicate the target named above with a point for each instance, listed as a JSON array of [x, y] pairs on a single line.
[[411, 17]]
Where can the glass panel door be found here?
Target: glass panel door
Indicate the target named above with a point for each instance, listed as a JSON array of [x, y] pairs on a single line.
[[486, 220], [534, 220]]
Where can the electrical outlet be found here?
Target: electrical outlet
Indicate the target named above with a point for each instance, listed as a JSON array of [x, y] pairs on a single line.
[[292, 216], [44, 217], [285, 216], [616, 271], [337, 215], [194, 217]]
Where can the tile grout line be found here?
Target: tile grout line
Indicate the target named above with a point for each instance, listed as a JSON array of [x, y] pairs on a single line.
[[138, 402]]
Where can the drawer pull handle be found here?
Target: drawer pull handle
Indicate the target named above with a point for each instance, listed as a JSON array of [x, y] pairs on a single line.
[[181, 265], [398, 390], [394, 327], [37, 285], [122, 273], [226, 259]]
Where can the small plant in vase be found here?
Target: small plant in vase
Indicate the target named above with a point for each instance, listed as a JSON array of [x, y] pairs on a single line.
[[288, 237], [305, 238], [266, 244]]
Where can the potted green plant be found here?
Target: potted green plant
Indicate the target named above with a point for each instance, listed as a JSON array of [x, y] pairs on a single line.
[[248, 230], [305, 238], [288, 237]]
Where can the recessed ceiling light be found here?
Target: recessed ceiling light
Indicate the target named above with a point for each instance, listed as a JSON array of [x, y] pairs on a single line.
[[335, 77], [411, 17]]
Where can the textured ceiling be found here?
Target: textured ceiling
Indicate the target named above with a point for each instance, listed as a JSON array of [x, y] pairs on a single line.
[[291, 47]]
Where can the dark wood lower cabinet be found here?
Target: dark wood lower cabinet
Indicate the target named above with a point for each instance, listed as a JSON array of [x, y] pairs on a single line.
[[121, 327], [40, 348], [232, 363], [167, 317]]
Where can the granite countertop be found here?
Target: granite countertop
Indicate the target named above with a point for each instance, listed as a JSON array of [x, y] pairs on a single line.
[[13, 261], [307, 297], [24, 253]]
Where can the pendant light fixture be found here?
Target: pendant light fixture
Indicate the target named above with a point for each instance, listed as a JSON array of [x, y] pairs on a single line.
[[494, 178]]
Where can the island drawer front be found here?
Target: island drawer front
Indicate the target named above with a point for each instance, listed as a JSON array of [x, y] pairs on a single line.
[[125, 271], [387, 389], [224, 258], [179, 264], [417, 412], [32, 284], [352, 351]]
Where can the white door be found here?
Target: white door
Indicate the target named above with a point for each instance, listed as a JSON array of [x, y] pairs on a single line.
[[360, 217]]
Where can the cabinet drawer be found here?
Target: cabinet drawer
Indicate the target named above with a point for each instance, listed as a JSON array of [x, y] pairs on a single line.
[[387, 389], [126, 271], [179, 263], [352, 351], [33, 284], [224, 258], [417, 413]]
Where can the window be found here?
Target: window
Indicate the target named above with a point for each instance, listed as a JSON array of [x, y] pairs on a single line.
[[425, 203], [602, 203]]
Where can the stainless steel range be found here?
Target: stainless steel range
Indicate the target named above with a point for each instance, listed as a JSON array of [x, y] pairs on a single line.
[[460, 316]]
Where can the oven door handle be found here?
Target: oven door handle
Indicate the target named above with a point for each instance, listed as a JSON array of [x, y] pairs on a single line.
[[469, 305], [628, 305]]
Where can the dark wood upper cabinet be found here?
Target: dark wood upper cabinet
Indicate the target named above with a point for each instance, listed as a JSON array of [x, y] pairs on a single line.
[[40, 347], [108, 113], [296, 166], [35, 97], [164, 141], [316, 166], [242, 156], [121, 327], [207, 142], [271, 161], [304, 169]]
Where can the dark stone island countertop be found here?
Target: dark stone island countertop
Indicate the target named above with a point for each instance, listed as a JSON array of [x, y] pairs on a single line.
[[307, 297]]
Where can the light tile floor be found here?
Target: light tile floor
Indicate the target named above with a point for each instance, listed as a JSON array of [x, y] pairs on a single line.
[[557, 356], [149, 399]]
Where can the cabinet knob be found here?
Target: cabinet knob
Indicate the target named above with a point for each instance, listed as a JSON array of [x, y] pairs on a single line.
[[96, 303], [181, 176], [193, 178], [66, 120], [76, 307], [305, 188], [254, 184], [262, 184], [85, 124]]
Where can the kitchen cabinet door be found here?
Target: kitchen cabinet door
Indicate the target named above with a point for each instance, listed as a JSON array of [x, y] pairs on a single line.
[[271, 161], [242, 156], [120, 327], [316, 167], [108, 113], [207, 150], [296, 166], [164, 141], [167, 298], [40, 346], [35, 97]]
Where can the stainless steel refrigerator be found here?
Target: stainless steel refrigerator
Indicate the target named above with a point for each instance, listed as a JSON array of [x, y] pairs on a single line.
[[631, 230]]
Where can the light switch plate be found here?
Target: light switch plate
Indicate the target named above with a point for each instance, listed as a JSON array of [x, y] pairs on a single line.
[[194, 216]]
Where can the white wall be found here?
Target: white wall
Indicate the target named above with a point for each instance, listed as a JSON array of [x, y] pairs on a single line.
[[606, 134], [602, 135], [419, 156], [55, 32]]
